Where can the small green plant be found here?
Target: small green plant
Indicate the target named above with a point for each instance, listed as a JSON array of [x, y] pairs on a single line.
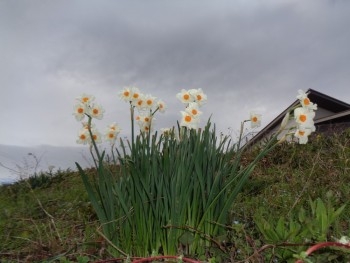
[[309, 226]]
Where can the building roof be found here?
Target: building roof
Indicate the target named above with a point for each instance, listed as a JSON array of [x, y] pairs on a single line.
[[324, 101]]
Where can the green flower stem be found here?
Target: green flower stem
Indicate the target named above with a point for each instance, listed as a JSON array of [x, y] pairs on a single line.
[[132, 112], [92, 138]]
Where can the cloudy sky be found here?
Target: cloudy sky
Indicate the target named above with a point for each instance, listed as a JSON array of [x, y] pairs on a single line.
[[245, 54]]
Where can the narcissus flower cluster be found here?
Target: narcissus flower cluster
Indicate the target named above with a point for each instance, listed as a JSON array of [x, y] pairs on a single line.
[[147, 105], [86, 107], [304, 117], [193, 100]]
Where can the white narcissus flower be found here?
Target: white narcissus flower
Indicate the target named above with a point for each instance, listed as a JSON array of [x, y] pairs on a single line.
[[161, 106], [149, 101], [135, 94], [96, 111], [86, 126], [255, 120], [126, 94], [145, 127], [146, 119], [96, 135], [86, 99], [302, 135], [184, 96], [83, 137], [188, 120], [111, 136], [112, 132], [193, 110], [305, 101], [114, 127], [198, 96], [79, 111], [139, 103], [304, 117]]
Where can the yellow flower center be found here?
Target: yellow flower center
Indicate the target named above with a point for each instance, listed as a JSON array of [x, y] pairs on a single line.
[[149, 102], [95, 111], [302, 117], [186, 97], [126, 93], [80, 110], [188, 118], [306, 101], [254, 119], [194, 112]]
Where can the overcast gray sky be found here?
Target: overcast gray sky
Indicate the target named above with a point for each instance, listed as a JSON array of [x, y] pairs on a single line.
[[246, 55]]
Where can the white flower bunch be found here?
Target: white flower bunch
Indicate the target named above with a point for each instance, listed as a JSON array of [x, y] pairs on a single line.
[[84, 134], [147, 105], [112, 132], [86, 107], [193, 100], [304, 117], [140, 101]]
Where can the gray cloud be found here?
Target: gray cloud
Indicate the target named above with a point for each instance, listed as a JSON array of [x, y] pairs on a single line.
[[244, 54]]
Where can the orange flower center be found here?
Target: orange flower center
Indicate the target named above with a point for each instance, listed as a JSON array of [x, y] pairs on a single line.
[[188, 118], [186, 97], [149, 102], [136, 95], [306, 101], [80, 110], [161, 106], [137, 118], [146, 128], [199, 97], [254, 119], [126, 93], [139, 102], [85, 99], [194, 112], [94, 137], [82, 137], [111, 135], [302, 117], [95, 111], [146, 119], [301, 133]]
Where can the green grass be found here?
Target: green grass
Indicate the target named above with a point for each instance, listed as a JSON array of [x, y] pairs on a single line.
[[50, 217]]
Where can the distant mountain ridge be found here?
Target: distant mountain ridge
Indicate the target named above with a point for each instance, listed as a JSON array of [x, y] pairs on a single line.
[[23, 160]]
